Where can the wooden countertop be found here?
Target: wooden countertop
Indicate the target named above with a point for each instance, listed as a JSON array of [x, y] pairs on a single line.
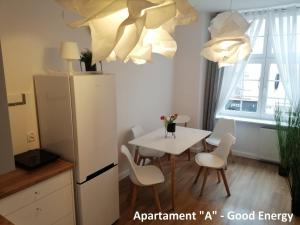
[[20, 179], [4, 221]]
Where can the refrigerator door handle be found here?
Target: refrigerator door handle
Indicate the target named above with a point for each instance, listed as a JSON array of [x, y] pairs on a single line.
[[99, 172]]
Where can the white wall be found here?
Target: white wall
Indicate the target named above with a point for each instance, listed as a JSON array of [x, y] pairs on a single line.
[[32, 30], [257, 141], [144, 93], [190, 69]]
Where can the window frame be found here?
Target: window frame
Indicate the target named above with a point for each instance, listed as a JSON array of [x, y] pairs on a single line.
[[265, 60]]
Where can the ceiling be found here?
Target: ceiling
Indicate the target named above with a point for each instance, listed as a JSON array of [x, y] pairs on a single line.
[[222, 5]]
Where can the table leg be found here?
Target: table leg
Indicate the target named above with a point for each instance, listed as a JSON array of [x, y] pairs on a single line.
[[204, 145], [136, 155], [173, 176], [189, 154]]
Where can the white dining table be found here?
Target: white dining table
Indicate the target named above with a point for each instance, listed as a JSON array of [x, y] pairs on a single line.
[[184, 139]]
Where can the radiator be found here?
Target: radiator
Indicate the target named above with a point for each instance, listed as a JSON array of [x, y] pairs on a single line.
[[268, 144]]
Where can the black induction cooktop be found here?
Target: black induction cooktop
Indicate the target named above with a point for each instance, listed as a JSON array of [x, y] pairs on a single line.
[[34, 158]]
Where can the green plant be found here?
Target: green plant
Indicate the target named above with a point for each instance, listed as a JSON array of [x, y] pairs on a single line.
[[288, 127], [295, 160], [86, 57], [169, 119], [282, 140]]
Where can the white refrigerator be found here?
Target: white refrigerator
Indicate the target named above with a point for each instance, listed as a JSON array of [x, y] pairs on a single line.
[[77, 120]]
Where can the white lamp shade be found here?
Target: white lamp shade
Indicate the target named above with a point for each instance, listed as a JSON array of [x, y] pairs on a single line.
[[228, 24], [229, 42], [120, 29], [69, 50], [227, 51]]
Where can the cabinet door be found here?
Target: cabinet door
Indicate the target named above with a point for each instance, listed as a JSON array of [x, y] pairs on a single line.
[[45, 211], [67, 220], [94, 113], [99, 199], [29, 195]]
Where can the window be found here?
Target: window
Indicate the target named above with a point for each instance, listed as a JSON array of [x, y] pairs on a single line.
[[260, 88]]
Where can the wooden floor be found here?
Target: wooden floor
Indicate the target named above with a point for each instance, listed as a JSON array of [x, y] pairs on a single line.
[[254, 185]]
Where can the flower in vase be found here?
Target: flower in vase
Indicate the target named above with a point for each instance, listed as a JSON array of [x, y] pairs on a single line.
[[169, 119]]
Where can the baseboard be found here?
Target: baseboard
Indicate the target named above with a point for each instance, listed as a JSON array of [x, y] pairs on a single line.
[[123, 174], [252, 156]]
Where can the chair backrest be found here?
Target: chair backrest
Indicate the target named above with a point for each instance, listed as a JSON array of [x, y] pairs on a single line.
[[182, 119], [132, 164], [225, 145], [137, 131], [223, 127]]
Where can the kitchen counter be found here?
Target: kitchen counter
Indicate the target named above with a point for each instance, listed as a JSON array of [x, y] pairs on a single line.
[[4, 221], [20, 179]]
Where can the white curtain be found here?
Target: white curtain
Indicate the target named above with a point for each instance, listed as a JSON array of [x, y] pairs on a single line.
[[285, 38], [233, 74]]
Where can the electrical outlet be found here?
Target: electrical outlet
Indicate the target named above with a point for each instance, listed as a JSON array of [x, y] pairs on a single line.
[[31, 137]]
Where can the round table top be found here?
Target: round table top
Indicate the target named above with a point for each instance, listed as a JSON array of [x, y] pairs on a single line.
[[182, 119]]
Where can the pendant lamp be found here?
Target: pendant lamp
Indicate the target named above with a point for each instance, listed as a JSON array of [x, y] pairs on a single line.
[[131, 29], [229, 42]]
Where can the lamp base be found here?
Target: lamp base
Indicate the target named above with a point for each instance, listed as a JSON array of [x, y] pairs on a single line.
[[70, 67]]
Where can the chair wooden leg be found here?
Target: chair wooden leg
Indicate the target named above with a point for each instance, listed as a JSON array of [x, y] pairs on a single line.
[[225, 182], [130, 192], [144, 161], [156, 197], [133, 197], [230, 157], [139, 160], [198, 174], [204, 180], [204, 145], [136, 155], [219, 180], [159, 164], [189, 154]]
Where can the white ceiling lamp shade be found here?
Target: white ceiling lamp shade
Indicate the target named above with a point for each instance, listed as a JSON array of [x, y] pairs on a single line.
[[229, 42], [131, 29]]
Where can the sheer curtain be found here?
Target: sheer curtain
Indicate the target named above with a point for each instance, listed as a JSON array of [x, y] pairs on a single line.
[[233, 74], [285, 38]]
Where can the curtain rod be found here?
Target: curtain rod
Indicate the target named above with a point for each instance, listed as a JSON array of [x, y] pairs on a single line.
[[297, 5]]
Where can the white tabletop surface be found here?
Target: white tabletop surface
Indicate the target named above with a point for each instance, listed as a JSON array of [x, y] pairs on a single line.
[[185, 138]]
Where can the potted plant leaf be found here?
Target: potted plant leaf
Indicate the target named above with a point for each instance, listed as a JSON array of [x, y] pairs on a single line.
[[169, 123], [86, 57], [283, 169], [294, 156], [289, 141]]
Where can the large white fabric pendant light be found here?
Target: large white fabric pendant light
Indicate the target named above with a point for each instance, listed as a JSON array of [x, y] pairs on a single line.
[[131, 29], [229, 42]]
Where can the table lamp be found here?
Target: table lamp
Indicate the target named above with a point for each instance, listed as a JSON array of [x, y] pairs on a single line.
[[69, 51]]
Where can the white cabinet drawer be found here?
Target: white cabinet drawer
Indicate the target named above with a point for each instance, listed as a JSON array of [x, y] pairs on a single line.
[[45, 211], [35, 192], [67, 220]]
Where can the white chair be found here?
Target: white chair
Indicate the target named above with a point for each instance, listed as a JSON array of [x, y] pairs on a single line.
[[143, 176], [215, 160], [141, 154], [184, 119], [222, 127]]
